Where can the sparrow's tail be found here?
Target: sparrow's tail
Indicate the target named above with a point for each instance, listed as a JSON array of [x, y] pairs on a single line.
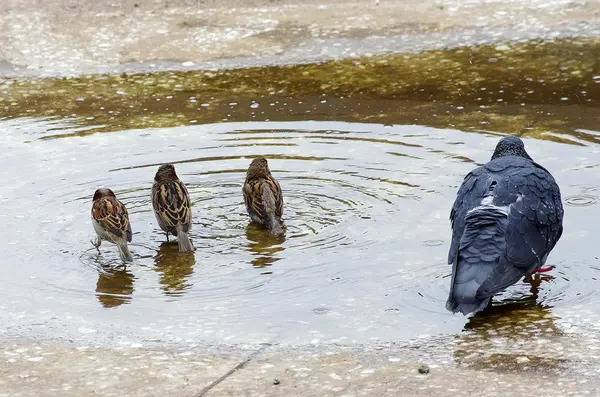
[[274, 226], [273, 222], [124, 252], [185, 245]]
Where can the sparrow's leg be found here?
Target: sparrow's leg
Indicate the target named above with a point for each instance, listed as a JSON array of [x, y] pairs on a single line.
[[96, 243], [167, 233]]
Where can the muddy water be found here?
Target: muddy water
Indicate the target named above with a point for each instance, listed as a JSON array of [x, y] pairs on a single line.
[[369, 153]]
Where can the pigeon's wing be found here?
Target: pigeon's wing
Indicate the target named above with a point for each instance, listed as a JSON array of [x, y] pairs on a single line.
[[534, 217], [477, 240], [481, 245], [172, 204], [534, 224], [475, 185], [112, 216]]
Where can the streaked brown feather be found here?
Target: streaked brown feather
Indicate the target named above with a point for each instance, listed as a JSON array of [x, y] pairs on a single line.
[[258, 178], [172, 205], [112, 216]]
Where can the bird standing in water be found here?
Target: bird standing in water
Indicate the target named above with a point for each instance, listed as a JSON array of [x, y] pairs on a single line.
[[263, 197], [172, 206], [111, 222], [506, 219]]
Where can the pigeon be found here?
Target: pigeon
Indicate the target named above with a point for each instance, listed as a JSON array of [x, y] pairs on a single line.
[[263, 197], [111, 222], [506, 219], [172, 206]]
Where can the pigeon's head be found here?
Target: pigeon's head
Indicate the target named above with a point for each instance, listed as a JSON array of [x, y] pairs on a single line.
[[510, 146]]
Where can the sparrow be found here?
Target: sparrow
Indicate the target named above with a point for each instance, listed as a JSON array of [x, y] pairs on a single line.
[[172, 206], [263, 197], [111, 222]]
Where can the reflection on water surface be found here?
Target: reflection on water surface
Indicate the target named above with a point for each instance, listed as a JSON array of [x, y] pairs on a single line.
[[174, 268], [114, 286], [542, 89]]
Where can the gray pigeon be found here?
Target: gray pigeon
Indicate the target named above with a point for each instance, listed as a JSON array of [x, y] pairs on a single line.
[[506, 219]]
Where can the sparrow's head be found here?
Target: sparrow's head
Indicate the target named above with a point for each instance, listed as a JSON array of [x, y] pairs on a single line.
[[510, 146], [259, 167], [104, 192], [166, 173]]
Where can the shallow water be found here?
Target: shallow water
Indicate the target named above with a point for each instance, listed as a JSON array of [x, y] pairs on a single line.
[[369, 172]]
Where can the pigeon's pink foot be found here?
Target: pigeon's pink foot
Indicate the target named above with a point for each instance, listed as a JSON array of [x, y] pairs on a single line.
[[536, 275]]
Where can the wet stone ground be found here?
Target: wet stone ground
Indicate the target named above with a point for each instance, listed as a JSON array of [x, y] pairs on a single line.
[[369, 153]]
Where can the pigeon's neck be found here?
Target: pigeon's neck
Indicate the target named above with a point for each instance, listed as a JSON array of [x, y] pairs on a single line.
[[510, 147], [514, 153]]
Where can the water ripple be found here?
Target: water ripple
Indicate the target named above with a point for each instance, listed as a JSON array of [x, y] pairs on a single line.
[[366, 229]]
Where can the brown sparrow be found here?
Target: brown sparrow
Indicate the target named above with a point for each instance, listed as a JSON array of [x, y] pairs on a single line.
[[263, 197], [111, 222], [172, 206]]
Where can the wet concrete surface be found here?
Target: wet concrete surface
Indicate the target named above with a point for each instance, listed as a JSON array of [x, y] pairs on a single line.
[[66, 37], [34, 370]]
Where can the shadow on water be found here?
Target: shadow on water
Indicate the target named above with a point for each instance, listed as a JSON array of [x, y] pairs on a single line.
[[369, 153]]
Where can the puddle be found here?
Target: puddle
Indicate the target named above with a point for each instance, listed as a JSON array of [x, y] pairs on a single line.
[[369, 153]]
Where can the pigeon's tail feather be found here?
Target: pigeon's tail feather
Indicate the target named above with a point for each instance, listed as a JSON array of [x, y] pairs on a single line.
[[466, 307], [183, 240], [124, 252], [479, 262], [273, 222]]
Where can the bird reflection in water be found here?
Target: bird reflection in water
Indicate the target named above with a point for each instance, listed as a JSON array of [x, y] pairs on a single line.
[[114, 286], [503, 337], [263, 245], [174, 268]]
